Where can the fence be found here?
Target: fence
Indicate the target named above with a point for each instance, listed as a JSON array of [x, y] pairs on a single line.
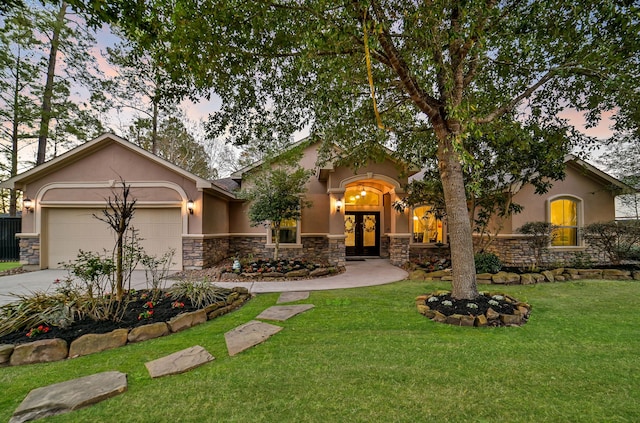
[[9, 244]]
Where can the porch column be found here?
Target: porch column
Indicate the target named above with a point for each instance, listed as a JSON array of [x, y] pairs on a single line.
[[399, 220], [400, 236], [336, 236]]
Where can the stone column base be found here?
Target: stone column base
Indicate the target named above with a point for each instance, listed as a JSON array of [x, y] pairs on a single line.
[[399, 249], [337, 250]]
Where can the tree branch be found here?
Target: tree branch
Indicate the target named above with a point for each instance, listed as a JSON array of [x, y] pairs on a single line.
[[425, 102], [514, 102]]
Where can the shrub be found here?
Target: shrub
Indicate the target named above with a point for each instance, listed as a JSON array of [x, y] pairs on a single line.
[[540, 235], [200, 294], [156, 270], [617, 240], [581, 260], [94, 284], [487, 263], [34, 309]]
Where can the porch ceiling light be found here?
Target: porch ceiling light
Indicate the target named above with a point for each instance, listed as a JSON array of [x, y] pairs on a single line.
[[338, 205], [28, 204], [190, 206], [363, 193]]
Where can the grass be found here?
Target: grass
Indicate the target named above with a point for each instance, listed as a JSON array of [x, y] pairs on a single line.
[[8, 265], [366, 355]]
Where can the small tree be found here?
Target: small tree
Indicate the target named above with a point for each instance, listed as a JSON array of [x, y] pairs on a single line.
[[277, 195], [540, 235], [118, 215], [615, 239]]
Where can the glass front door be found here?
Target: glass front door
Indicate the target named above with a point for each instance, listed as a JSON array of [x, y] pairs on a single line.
[[363, 233]]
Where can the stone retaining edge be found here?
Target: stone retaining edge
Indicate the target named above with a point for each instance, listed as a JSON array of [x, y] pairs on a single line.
[[38, 352]]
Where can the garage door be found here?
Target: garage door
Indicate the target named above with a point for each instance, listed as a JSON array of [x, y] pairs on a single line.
[[71, 230]]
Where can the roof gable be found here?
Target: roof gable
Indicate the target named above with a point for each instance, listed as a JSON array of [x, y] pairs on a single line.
[[321, 171], [598, 175], [76, 154]]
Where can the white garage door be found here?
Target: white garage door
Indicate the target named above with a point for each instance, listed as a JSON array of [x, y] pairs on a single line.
[[71, 230]]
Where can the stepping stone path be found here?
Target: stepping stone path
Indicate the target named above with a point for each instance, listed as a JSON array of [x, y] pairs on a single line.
[[248, 335], [77, 393], [70, 395], [289, 297], [179, 362], [254, 332], [282, 313]]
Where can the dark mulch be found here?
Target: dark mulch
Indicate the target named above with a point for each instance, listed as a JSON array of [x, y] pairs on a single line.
[[162, 312]]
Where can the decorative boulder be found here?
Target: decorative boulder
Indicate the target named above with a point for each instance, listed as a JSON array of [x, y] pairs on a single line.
[[321, 271], [42, 351], [301, 273], [5, 354], [506, 278], [142, 333], [187, 320], [549, 276], [93, 343]]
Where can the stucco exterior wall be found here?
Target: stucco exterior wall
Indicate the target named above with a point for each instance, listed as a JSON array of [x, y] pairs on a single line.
[[597, 201], [215, 214]]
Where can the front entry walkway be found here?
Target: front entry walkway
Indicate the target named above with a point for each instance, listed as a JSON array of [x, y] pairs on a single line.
[[368, 272]]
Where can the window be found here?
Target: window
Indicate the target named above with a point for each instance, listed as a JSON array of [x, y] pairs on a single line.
[[564, 215], [288, 232], [354, 197], [427, 226]]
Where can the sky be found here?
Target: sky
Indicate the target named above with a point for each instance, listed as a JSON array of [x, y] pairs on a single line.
[[202, 109]]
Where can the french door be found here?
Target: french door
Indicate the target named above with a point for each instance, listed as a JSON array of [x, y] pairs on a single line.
[[363, 233]]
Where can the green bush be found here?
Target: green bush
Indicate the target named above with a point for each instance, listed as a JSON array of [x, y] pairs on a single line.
[[540, 236], [200, 294], [616, 239], [632, 253], [487, 263]]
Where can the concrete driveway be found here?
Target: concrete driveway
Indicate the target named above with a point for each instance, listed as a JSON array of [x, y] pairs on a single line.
[[43, 280], [357, 274]]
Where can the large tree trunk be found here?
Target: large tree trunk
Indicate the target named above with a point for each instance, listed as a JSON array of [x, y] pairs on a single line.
[[48, 89], [154, 128], [460, 236], [13, 199]]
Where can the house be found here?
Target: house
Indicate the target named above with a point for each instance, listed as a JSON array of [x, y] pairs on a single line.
[[203, 221]]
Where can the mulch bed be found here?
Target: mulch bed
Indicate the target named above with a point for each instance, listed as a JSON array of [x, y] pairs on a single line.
[[488, 309], [461, 306], [162, 312]]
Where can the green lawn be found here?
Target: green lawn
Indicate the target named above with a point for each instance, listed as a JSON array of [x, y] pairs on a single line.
[[366, 355], [7, 265]]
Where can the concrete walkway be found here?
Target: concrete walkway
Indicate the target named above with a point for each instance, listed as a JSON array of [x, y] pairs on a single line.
[[368, 272]]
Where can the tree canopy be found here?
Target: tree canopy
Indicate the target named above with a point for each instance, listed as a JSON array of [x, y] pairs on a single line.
[[430, 76]]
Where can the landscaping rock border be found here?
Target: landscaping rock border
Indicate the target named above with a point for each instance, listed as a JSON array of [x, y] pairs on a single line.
[[560, 274], [48, 350], [520, 314]]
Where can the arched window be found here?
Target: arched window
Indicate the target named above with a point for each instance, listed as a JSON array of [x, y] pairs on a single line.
[[564, 214], [427, 226]]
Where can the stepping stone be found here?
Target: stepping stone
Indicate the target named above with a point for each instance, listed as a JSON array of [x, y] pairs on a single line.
[[179, 362], [71, 395], [289, 297], [282, 313], [248, 335]]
